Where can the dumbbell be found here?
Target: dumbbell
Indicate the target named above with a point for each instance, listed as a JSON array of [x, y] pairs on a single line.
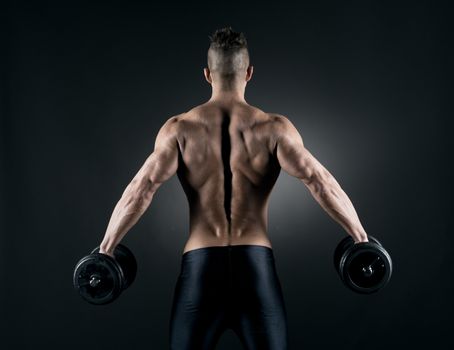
[[100, 279], [364, 267]]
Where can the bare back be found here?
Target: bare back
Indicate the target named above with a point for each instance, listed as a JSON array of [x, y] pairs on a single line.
[[228, 156], [227, 166]]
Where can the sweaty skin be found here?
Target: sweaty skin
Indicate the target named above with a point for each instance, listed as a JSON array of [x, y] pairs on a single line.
[[228, 155]]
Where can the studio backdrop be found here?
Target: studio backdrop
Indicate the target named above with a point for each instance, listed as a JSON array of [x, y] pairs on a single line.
[[84, 91]]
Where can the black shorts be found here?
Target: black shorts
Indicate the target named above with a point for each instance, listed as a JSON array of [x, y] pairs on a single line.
[[222, 287]]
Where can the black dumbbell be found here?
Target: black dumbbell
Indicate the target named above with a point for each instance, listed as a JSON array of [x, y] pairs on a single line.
[[100, 279], [363, 267]]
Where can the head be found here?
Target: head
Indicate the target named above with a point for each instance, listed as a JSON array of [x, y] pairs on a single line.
[[228, 60]]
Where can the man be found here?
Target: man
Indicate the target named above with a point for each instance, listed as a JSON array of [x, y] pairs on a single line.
[[227, 155]]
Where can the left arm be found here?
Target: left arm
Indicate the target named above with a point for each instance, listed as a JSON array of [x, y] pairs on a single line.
[[136, 198]]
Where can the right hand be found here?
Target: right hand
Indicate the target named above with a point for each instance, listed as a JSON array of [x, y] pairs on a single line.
[[361, 240]]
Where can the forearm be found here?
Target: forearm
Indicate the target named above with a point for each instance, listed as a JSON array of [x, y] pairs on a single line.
[[125, 215], [336, 203]]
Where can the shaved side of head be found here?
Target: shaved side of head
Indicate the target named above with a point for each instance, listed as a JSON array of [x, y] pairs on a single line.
[[228, 54]]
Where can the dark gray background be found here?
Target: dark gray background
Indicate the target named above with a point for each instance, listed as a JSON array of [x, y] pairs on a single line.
[[84, 90]]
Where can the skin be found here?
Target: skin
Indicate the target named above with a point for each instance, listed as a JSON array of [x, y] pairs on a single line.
[[228, 155]]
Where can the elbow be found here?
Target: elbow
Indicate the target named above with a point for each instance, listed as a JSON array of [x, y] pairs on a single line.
[[319, 181], [323, 187], [141, 190], [318, 187]]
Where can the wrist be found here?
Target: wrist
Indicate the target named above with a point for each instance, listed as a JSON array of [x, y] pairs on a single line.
[[107, 253], [107, 249]]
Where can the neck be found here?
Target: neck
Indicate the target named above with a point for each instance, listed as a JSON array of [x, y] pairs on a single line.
[[234, 94]]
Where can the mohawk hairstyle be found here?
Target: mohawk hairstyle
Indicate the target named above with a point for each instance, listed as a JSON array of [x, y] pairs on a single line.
[[227, 39], [228, 54]]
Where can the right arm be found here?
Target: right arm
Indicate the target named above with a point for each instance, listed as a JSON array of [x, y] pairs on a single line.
[[297, 161], [160, 165]]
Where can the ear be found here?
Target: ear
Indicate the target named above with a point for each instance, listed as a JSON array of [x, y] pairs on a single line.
[[207, 73], [249, 72]]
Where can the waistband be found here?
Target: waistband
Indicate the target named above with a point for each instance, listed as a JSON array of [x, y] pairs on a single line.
[[226, 248]]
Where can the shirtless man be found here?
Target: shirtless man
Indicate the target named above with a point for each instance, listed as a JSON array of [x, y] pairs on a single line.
[[227, 155]]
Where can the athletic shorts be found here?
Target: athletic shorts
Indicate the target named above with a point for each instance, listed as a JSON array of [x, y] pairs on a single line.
[[228, 287]]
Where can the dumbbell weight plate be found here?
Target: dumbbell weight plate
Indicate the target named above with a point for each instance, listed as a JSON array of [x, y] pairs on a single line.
[[98, 279], [127, 262], [365, 267], [343, 245]]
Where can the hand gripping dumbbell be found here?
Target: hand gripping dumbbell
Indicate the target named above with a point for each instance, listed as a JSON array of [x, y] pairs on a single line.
[[364, 267], [100, 279]]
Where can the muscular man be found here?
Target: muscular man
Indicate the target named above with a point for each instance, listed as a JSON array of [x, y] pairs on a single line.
[[227, 155]]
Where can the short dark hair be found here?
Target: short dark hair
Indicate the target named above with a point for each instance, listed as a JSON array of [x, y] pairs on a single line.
[[227, 39], [228, 52]]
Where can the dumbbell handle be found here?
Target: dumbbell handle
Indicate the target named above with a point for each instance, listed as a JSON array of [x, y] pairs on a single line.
[[94, 281], [368, 270]]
